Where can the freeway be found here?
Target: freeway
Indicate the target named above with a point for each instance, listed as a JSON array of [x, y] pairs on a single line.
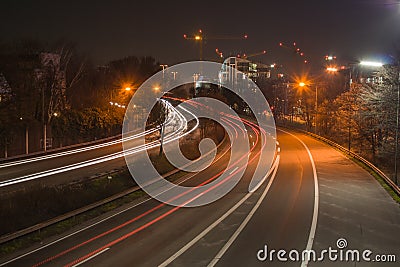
[[92, 159], [313, 197]]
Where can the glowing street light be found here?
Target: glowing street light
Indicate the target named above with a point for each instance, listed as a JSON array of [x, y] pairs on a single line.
[[332, 69], [330, 58], [303, 84], [371, 64], [127, 89]]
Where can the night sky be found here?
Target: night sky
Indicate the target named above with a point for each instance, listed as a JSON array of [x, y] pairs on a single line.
[[350, 29]]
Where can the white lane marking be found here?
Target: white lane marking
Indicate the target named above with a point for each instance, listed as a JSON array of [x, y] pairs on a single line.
[[91, 257], [74, 151], [245, 222], [210, 227], [234, 170], [171, 137], [92, 147], [265, 177], [98, 222], [84, 149], [313, 227]]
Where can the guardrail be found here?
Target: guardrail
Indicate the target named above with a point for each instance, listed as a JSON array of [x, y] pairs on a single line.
[[39, 226], [59, 149], [370, 165]]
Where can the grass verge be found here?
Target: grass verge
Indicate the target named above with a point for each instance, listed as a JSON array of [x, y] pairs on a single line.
[[381, 181]]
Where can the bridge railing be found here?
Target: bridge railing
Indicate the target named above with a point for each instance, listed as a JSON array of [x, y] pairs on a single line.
[[370, 165]]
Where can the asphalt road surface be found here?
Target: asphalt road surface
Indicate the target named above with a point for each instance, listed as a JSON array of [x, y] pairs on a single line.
[[81, 163], [313, 197]]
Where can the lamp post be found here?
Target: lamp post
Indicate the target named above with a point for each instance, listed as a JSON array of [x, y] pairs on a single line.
[[174, 73], [316, 108], [397, 124], [163, 66], [303, 84], [368, 64]]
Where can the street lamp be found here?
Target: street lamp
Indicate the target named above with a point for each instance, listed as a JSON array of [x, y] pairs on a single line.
[[332, 69], [368, 64], [174, 73], [156, 88], [303, 84], [163, 66], [371, 64]]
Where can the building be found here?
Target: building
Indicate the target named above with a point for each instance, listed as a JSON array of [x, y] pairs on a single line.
[[237, 72]]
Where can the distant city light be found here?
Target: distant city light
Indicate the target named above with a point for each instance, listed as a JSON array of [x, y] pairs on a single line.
[[371, 64], [329, 58], [302, 84], [332, 69]]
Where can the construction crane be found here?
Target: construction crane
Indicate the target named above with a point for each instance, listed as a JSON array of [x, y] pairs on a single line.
[[219, 53], [200, 37], [295, 49], [246, 56]]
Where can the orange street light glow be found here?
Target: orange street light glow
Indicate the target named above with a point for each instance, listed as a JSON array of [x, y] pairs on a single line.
[[197, 37], [127, 89], [332, 69], [301, 84]]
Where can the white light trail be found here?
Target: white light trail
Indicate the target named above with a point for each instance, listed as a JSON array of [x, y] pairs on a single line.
[[168, 138]]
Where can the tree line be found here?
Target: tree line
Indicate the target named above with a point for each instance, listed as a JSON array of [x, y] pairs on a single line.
[[57, 86]]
